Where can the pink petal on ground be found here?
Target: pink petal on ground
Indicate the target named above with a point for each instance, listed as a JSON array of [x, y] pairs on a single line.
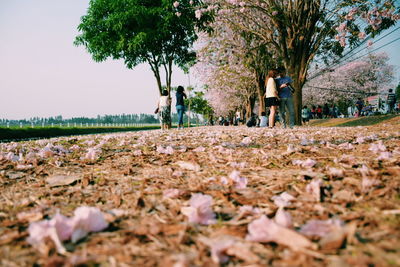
[[218, 247], [304, 163], [336, 172], [291, 149], [240, 182], [57, 229], [92, 154], [266, 230], [171, 193], [314, 189], [137, 152], [283, 218], [320, 228], [347, 146], [249, 210], [38, 231], [199, 149], [367, 184], [224, 180], [283, 200], [191, 166], [86, 220], [377, 147], [168, 150], [385, 155], [200, 210], [63, 226], [246, 141], [360, 140], [309, 163]]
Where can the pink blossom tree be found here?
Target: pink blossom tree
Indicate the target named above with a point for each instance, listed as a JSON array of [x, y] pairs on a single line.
[[370, 75], [300, 30], [221, 66]]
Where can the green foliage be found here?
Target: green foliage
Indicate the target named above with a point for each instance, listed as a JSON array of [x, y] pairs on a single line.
[[139, 31], [397, 92], [365, 121], [199, 105], [8, 134]]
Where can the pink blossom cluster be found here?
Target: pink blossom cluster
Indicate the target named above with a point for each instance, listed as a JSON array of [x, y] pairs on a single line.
[[200, 210], [61, 228], [370, 75]]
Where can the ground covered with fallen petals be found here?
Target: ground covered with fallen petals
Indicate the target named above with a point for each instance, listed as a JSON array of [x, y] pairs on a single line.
[[208, 196]]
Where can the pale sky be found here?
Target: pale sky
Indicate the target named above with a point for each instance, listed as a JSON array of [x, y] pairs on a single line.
[[43, 74]]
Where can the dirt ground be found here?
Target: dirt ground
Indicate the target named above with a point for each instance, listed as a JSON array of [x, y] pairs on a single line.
[[345, 185]]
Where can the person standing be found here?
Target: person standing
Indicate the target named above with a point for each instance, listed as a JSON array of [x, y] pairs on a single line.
[[263, 119], [319, 112], [391, 100], [325, 111], [164, 110], [359, 106], [305, 115], [285, 94], [271, 96], [180, 105]]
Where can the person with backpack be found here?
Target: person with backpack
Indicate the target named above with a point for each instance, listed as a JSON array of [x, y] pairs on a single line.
[[391, 100]]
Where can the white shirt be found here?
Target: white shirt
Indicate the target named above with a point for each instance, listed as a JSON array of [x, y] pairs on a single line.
[[164, 101], [263, 121], [271, 90]]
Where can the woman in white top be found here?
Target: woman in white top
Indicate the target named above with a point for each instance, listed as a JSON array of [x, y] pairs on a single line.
[[271, 96], [164, 109]]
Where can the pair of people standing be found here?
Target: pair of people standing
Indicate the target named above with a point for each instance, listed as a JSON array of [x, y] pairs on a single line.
[[278, 93], [164, 108]]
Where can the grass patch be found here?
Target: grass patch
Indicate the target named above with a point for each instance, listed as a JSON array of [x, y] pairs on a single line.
[[351, 122], [17, 134]]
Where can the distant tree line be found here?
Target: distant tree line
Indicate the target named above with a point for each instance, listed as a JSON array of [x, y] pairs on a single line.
[[105, 119], [124, 118]]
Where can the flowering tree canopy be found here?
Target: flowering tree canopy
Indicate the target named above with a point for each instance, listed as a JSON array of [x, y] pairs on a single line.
[[368, 76], [221, 66], [300, 30]]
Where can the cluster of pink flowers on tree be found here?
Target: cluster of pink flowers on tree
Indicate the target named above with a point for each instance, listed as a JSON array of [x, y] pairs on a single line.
[[222, 68], [368, 76], [273, 22]]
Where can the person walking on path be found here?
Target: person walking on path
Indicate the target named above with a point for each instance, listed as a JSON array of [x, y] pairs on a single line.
[[286, 98], [180, 105], [359, 106], [271, 96], [305, 115], [391, 100], [164, 110]]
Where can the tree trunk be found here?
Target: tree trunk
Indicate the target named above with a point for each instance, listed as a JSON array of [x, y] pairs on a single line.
[[295, 71], [250, 106], [260, 92]]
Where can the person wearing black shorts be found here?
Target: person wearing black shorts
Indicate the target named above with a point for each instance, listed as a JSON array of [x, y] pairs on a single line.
[[271, 96]]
